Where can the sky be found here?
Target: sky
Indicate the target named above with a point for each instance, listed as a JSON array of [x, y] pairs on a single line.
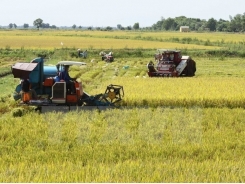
[[103, 13]]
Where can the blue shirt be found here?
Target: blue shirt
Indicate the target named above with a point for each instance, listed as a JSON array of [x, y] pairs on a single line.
[[65, 76]]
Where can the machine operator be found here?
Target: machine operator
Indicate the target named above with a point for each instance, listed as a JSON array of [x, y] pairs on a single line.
[[64, 76]]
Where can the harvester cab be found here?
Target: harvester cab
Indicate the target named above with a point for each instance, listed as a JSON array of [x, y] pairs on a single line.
[[45, 83], [171, 63]]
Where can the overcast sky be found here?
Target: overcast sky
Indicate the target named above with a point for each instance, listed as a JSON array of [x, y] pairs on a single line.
[[102, 13]]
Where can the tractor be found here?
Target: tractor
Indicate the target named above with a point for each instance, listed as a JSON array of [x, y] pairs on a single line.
[[170, 63], [53, 93]]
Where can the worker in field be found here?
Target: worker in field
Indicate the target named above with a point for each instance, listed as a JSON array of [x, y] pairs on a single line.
[[64, 76], [26, 88], [79, 52], [151, 67], [82, 53]]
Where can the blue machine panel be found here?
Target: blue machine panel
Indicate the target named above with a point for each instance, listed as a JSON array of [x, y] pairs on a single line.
[[49, 71]]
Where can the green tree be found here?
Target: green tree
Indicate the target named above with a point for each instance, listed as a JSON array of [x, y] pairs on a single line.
[[45, 25], [158, 25], [119, 26], [237, 23], [10, 26], [169, 24], [243, 22], [197, 26], [108, 28], [74, 26], [222, 25], [136, 26], [38, 23], [129, 28], [26, 26], [53, 27], [211, 24]]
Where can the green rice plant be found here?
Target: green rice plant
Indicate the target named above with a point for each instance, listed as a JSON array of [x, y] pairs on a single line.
[[124, 145], [181, 92]]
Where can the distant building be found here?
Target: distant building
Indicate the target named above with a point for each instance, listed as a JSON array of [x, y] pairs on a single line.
[[184, 29]]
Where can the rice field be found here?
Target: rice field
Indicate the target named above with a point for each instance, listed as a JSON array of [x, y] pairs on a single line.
[[212, 36], [166, 130], [124, 145], [18, 39], [48, 42]]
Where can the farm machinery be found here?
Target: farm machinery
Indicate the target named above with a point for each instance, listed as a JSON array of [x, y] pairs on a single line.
[[51, 92], [107, 57], [170, 63]]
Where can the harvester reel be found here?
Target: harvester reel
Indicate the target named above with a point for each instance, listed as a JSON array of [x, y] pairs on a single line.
[[113, 93]]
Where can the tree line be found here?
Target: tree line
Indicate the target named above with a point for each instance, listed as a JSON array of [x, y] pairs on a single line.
[[38, 23], [235, 24]]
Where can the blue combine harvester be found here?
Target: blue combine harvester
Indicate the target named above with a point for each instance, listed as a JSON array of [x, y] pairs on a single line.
[[41, 86]]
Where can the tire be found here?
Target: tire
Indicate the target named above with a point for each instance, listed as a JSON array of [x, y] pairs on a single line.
[[191, 68], [188, 69], [194, 66]]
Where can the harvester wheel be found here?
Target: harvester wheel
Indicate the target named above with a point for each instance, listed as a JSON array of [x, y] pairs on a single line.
[[190, 73], [193, 67], [190, 68]]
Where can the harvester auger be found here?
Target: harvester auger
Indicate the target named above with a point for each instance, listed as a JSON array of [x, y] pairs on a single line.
[[52, 94]]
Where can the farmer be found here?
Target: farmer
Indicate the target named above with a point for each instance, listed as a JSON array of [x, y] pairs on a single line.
[[64, 76], [26, 88], [79, 52], [151, 67]]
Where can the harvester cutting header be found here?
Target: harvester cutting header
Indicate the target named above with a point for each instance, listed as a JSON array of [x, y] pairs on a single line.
[[45, 86], [170, 63]]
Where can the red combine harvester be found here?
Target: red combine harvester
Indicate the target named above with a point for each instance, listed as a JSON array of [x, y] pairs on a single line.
[[170, 63]]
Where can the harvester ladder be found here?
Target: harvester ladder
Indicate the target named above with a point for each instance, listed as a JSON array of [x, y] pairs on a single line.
[[181, 66]]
